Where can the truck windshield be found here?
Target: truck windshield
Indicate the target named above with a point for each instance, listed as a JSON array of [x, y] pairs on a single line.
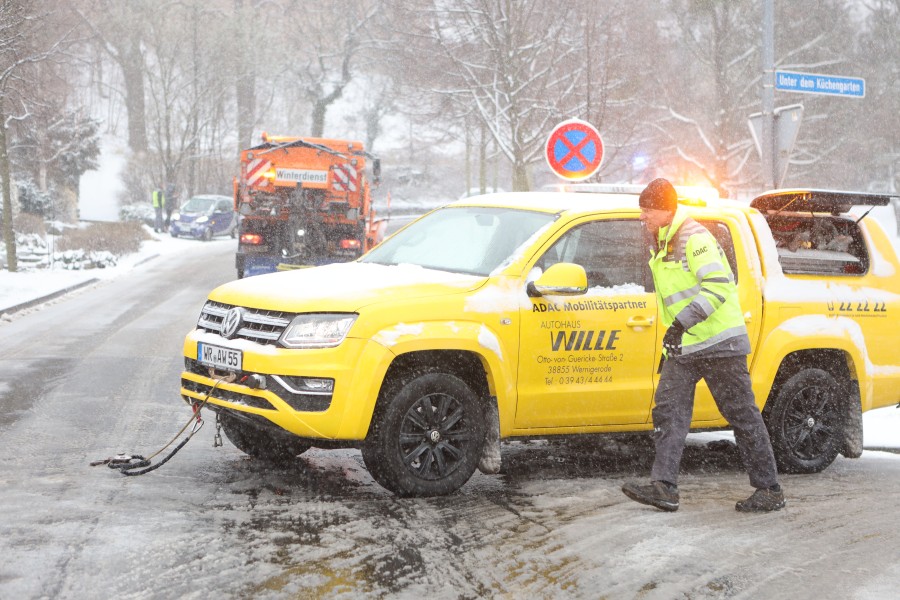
[[464, 239]]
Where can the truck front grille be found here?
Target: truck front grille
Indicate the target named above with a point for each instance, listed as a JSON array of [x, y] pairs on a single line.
[[261, 326]]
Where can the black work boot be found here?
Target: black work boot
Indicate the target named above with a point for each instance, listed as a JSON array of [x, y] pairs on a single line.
[[660, 494], [762, 500]]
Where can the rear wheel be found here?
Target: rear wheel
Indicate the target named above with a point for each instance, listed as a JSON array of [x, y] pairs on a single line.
[[428, 438], [260, 444], [806, 422]]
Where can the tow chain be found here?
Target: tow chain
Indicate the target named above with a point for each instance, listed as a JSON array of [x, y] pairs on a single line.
[[135, 464]]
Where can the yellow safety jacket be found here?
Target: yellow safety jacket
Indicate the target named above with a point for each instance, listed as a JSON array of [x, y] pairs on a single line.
[[695, 284], [159, 199]]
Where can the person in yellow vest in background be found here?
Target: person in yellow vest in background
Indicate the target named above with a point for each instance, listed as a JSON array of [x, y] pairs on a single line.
[[706, 339], [158, 198]]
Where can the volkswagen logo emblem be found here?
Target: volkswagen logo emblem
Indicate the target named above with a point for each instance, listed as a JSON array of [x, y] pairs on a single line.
[[232, 322]]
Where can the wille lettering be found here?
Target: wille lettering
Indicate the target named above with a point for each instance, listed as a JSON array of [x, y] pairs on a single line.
[[582, 340]]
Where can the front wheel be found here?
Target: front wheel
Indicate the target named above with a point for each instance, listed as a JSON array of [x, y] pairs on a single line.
[[427, 439], [259, 444], [207, 234], [806, 422]]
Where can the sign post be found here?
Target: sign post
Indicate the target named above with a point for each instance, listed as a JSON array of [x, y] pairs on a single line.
[[574, 150], [787, 125]]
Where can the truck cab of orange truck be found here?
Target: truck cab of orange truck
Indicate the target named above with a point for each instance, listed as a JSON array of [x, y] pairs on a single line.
[[303, 202]]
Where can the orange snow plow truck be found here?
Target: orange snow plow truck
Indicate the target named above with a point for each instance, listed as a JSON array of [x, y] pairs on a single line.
[[304, 202]]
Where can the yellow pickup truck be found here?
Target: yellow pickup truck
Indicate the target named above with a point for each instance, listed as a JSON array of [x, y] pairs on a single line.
[[533, 314]]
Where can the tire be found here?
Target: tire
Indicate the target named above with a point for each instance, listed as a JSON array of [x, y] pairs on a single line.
[[173, 234], [427, 438], [259, 444], [806, 422], [207, 234]]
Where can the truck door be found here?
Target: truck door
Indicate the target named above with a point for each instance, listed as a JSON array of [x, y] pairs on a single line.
[[590, 360]]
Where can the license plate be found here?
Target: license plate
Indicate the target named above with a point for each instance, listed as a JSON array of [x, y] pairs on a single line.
[[219, 357]]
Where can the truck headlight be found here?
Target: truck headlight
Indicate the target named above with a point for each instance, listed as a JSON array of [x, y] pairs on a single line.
[[317, 330]]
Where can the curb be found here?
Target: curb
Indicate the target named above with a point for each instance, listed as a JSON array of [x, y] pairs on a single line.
[[53, 295], [17, 307]]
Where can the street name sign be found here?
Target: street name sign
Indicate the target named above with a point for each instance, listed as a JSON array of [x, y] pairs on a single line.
[[811, 83]]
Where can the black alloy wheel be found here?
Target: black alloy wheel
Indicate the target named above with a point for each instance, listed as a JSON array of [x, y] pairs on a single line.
[[428, 440], [806, 422]]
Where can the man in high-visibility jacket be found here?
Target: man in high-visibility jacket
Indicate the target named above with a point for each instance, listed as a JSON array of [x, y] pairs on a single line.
[[158, 198], [706, 339]]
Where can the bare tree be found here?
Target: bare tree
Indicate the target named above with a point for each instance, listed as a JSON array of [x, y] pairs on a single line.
[[186, 96], [245, 54], [514, 62], [323, 45], [515, 69], [29, 35], [709, 85], [819, 36], [118, 28], [878, 56]]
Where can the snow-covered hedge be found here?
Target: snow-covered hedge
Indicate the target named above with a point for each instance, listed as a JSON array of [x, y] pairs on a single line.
[[92, 246], [34, 253], [76, 260], [142, 213]]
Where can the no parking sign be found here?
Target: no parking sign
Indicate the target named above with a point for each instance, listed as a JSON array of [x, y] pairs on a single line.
[[574, 150]]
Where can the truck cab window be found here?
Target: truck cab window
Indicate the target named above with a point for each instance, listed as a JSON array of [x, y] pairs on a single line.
[[611, 251]]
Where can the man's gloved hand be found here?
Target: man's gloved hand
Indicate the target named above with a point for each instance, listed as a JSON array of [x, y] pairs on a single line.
[[672, 339]]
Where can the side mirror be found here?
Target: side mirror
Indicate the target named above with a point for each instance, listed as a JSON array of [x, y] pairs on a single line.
[[561, 279], [376, 171]]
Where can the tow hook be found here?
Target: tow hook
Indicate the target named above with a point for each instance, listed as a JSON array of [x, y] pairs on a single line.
[[138, 465], [122, 461], [255, 381]]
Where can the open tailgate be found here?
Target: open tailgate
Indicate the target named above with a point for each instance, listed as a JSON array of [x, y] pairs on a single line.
[[820, 201]]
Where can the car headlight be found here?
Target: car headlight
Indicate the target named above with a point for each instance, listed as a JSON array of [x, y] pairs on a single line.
[[202, 220], [317, 330], [175, 216]]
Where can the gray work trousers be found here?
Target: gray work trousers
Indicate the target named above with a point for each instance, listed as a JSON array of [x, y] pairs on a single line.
[[729, 381]]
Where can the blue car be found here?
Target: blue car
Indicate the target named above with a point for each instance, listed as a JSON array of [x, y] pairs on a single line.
[[205, 216]]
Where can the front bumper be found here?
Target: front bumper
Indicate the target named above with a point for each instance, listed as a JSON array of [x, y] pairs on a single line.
[[191, 229], [357, 368]]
